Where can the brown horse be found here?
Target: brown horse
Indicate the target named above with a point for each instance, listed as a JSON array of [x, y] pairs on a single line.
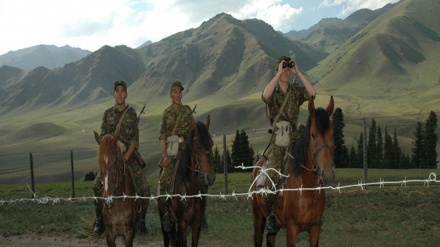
[[310, 166], [195, 172], [119, 214]]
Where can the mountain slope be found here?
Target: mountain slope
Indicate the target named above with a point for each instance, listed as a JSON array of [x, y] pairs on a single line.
[[330, 33], [49, 56], [394, 56], [76, 84], [223, 57], [389, 68]]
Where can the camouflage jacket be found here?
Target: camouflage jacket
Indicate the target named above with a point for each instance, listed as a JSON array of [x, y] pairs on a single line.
[[298, 95], [169, 118], [129, 133]]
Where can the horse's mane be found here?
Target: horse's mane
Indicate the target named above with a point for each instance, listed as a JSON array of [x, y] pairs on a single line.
[[301, 148], [185, 159]]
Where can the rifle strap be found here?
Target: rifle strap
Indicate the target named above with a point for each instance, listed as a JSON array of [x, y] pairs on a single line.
[[122, 117], [177, 120]]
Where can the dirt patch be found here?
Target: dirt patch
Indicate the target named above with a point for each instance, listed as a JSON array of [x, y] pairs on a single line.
[[65, 240]]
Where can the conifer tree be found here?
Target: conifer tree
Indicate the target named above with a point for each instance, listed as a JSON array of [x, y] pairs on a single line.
[[217, 159], [430, 145], [379, 148], [418, 149], [372, 146], [388, 150], [340, 150]]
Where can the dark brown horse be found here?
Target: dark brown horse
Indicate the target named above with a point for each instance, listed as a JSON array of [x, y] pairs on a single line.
[[119, 214], [195, 172], [310, 166]]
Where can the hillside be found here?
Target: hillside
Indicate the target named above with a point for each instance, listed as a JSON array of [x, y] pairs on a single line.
[[224, 65], [389, 68], [49, 56]]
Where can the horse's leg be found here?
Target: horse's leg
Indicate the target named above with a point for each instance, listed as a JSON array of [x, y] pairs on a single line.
[[291, 234], [129, 236], [111, 238], [314, 236], [259, 222], [270, 239], [181, 235], [196, 228]]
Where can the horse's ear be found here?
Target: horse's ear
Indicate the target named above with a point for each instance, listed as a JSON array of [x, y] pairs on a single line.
[[312, 105], [97, 138], [208, 121], [331, 106]]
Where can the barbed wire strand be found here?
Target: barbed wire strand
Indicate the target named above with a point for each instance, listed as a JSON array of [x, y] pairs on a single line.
[[432, 178]]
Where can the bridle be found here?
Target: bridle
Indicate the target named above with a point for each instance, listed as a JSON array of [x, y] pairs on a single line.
[[316, 169], [196, 161]]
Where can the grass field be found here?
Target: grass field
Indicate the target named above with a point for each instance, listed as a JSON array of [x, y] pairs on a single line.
[[392, 215]]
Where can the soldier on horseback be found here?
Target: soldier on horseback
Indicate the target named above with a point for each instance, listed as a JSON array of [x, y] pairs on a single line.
[[283, 101], [177, 121], [124, 117]]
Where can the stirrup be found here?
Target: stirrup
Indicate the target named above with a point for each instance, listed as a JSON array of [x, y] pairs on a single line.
[[270, 224], [98, 228], [166, 222]]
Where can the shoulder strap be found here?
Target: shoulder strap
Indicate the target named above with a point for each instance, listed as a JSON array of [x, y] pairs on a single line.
[[281, 110], [177, 120], [122, 117]]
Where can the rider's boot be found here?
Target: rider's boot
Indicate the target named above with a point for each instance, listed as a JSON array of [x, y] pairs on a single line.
[[270, 221], [166, 219], [98, 227]]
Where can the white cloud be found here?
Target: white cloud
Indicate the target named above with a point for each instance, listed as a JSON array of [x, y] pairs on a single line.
[[349, 6]]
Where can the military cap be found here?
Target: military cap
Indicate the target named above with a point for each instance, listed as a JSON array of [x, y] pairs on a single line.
[[176, 84], [121, 83]]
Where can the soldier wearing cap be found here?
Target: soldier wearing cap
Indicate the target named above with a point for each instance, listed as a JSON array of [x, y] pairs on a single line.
[[129, 143], [177, 120], [283, 101]]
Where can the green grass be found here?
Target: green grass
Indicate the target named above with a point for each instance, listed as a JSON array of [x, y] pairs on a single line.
[[393, 215]]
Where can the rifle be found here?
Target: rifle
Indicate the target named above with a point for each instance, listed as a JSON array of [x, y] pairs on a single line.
[[136, 152], [141, 112], [194, 109]]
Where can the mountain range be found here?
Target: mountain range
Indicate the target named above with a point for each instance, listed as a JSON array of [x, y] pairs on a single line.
[[381, 64]]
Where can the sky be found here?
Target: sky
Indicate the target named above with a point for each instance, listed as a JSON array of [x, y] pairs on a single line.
[[91, 24]]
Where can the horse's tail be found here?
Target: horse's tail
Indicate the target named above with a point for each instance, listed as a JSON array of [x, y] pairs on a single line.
[[86, 229]]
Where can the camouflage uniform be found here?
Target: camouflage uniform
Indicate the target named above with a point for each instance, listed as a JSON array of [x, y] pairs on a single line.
[[128, 135], [169, 118], [298, 95]]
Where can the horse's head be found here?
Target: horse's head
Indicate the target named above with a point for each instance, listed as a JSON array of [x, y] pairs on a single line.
[[321, 140], [109, 158], [203, 152]]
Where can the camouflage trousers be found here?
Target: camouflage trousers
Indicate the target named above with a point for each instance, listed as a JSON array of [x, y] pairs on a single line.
[[167, 175], [142, 186], [276, 160]]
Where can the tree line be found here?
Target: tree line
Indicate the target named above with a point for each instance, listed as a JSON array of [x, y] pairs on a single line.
[[382, 148]]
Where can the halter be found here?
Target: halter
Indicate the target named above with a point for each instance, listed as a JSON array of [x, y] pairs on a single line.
[[316, 168], [197, 165]]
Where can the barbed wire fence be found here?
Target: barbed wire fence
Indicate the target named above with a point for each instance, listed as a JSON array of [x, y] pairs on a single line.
[[431, 179]]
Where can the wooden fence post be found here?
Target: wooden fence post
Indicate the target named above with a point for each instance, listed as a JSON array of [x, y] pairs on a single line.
[[73, 174], [31, 160], [225, 164]]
